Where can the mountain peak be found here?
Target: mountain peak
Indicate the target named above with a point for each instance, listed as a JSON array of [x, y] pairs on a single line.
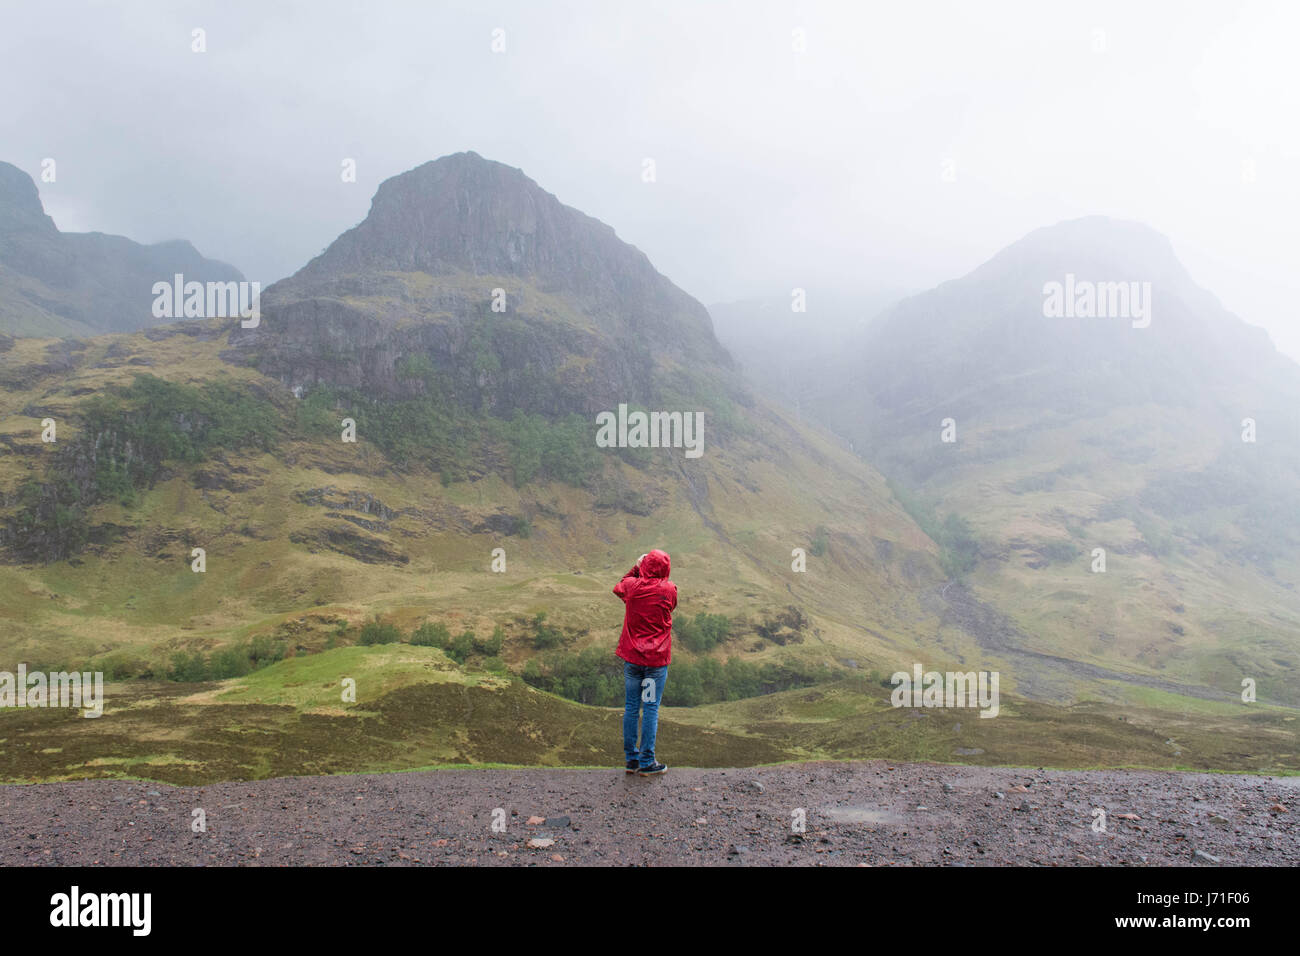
[[585, 320], [1099, 248], [1137, 329], [20, 203], [466, 213], [463, 214], [440, 179]]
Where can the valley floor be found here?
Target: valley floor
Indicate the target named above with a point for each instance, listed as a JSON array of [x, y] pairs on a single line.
[[874, 813]]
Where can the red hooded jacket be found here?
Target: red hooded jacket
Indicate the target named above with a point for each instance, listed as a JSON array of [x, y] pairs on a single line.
[[647, 637]]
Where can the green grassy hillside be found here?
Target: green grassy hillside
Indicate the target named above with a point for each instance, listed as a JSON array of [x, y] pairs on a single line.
[[294, 521], [415, 708], [456, 559]]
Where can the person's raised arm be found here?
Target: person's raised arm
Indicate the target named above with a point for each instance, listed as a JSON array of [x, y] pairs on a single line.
[[621, 588]]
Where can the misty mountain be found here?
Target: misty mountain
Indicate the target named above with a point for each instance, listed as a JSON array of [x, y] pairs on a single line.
[[404, 448], [802, 344], [985, 337], [514, 299], [475, 431], [72, 284], [1163, 435], [980, 350]]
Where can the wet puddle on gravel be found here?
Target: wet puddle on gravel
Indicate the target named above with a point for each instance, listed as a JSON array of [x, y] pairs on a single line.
[[855, 815]]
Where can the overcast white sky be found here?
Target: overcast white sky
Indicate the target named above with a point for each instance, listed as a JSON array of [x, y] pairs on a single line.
[[775, 168]]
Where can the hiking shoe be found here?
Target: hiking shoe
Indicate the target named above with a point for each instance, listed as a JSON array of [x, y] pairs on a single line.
[[631, 767], [652, 770]]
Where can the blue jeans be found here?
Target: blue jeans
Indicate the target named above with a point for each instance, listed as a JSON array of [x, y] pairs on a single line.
[[644, 687]]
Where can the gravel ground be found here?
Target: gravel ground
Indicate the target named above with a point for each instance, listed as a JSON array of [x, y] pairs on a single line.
[[872, 813]]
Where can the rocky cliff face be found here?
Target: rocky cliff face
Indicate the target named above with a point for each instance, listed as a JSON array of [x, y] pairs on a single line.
[[21, 212], [55, 283], [483, 362], [583, 320]]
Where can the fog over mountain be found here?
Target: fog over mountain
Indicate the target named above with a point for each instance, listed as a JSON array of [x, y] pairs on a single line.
[[899, 146], [77, 284], [888, 417]]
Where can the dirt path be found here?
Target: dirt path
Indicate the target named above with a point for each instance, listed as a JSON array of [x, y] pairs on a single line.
[[875, 813]]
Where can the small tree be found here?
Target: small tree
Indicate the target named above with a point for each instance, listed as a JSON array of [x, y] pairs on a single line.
[[491, 646], [431, 634], [462, 645], [377, 632], [544, 635]]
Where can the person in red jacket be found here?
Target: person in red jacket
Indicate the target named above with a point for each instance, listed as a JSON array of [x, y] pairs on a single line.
[[646, 646]]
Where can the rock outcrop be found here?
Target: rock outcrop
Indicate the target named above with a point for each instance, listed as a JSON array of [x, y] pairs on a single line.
[[467, 271]]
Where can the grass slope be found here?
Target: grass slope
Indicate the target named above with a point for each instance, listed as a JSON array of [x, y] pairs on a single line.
[[415, 709]]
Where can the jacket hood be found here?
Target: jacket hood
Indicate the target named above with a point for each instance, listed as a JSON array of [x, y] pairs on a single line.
[[656, 564]]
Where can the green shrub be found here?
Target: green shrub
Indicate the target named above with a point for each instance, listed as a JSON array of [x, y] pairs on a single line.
[[163, 421], [429, 430], [189, 667], [134, 432], [118, 666], [462, 645], [563, 449], [431, 634], [1060, 551], [378, 632], [595, 676], [545, 636], [491, 647], [415, 367], [703, 633], [226, 662], [263, 651], [959, 548]]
